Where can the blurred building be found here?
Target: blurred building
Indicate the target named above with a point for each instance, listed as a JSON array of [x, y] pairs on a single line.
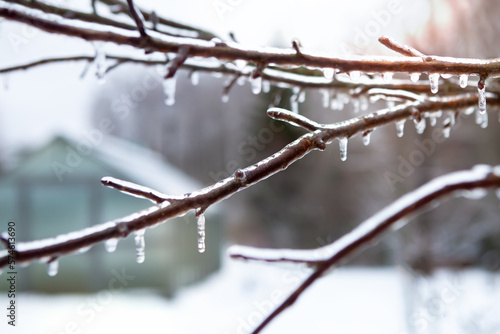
[[56, 190]]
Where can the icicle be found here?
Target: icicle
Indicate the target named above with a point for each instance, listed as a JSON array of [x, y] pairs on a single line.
[[256, 85], [241, 80], [420, 125], [355, 75], [294, 100], [446, 75], [100, 62], [201, 233], [481, 90], [451, 116], [52, 266], [482, 119], [111, 244], [469, 111], [463, 80], [325, 98], [195, 78], [434, 81], [328, 73], [343, 148], [240, 63], [366, 138], [335, 103], [302, 96], [1, 271], [388, 76], [224, 97], [217, 75], [433, 119], [169, 90], [446, 131], [477, 193], [400, 127], [140, 246], [355, 105], [414, 77], [266, 86], [363, 102]]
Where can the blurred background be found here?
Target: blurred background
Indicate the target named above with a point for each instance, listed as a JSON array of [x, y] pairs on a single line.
[[61, 131]]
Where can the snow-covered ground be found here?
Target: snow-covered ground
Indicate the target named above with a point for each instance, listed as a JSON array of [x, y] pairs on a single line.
[[234, 300]]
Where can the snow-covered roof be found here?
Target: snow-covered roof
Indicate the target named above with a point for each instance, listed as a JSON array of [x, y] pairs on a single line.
[[140, 165]]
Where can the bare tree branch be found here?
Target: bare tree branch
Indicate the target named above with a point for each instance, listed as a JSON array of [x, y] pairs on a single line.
[[138, 18], [324, 258], [204, 198], [232, 51]]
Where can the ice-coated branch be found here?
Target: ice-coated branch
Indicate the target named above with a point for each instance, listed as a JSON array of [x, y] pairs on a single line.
[[279, 57], [324, 258], [293, 119], [137, 190], [400, 48], [179, 59], [241, 179]]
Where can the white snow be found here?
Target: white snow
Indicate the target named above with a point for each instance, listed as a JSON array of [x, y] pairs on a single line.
[[235, 300]]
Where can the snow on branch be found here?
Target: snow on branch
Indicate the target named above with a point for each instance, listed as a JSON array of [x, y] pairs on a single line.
[[481, 177], [400, 48], [231, 51], [136, 190], [200, 200]]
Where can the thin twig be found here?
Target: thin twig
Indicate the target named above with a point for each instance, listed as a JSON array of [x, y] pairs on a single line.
[[177, 62], [293, 119], [137, 18], [400, 48], [137, 190]]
